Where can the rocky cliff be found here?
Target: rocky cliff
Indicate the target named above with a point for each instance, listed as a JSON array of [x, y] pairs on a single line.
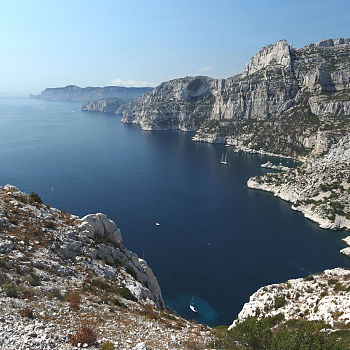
[[66, 282], [284, 102], [109, 105], [319, 189], [320, 297], [76, 93]]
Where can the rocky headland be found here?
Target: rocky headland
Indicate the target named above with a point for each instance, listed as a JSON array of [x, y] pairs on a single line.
[[69, 282], [76, 93], [321, 297]]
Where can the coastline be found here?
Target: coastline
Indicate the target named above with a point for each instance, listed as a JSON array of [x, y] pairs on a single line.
[[290, 193]]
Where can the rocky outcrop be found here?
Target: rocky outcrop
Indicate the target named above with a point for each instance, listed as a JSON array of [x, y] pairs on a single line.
[[270, 165], [272, 54], [280, 103], [94, 241], [76, 93], [319, 189], [109, 105], [178, 104], [321, 297]]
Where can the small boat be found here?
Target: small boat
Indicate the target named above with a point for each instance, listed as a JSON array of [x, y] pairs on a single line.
[[224, 159], [192, 306], [157, 224]]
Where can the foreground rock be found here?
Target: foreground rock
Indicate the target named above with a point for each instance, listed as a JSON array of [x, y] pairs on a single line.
[[287, 101], [59, 273], [321, 297]]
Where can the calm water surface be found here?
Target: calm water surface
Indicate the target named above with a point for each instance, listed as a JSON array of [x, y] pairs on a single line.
[[217, 239]]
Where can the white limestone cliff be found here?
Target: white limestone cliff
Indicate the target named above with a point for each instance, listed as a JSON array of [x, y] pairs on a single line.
[[285, 91], [274, 54], [320, 297]]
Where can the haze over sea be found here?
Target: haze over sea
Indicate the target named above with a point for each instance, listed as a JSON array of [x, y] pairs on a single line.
[[217, 239]]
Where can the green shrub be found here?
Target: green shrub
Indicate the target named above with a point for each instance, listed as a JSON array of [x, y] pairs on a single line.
[[339, 287], [131, 272], [10, 289], [332, 281], [168, 316], [33, 197], [279, 302], [117, 302], [125, 293], [107, 346], [309, 278], [296, 334], [100, 284], [55, 293]]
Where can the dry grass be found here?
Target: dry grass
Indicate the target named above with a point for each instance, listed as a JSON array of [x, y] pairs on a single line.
[[193, 344], [74, 300], [86, 332], [26, 312]]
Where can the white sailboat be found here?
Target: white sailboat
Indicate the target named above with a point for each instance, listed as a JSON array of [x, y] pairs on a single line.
[[192, 305], [224, 159]]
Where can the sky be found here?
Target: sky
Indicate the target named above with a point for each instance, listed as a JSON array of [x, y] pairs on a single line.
[[145, 42]]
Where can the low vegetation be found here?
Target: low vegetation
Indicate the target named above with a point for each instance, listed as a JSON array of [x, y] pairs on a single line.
[[271, 333]]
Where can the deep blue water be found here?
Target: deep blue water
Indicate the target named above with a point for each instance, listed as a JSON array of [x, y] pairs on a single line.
[[217, 239]]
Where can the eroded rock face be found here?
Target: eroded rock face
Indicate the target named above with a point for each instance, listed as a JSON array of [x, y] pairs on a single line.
[[178, 104], [283, 91], [272, 54], [98, 225], [109, 105]]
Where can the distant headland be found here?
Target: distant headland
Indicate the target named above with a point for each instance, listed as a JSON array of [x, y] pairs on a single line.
[[76, 93]]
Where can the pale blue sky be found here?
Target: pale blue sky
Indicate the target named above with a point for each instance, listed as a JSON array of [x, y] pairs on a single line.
[[95, 43]]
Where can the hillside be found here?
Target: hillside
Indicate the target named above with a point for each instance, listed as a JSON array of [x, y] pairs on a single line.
[[287, 101], [67, 281]]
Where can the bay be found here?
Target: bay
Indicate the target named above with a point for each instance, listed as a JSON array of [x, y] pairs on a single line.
[[217, 239]]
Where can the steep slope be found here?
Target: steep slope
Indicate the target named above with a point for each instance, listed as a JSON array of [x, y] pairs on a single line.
[[284, 102], [67, 281]]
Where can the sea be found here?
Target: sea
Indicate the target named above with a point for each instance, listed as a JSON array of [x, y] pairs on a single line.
[[205, 235]]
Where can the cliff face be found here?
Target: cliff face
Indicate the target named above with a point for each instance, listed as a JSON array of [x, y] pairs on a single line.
[[109, 105], [181, 104], [280, 103], [76, 93]]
